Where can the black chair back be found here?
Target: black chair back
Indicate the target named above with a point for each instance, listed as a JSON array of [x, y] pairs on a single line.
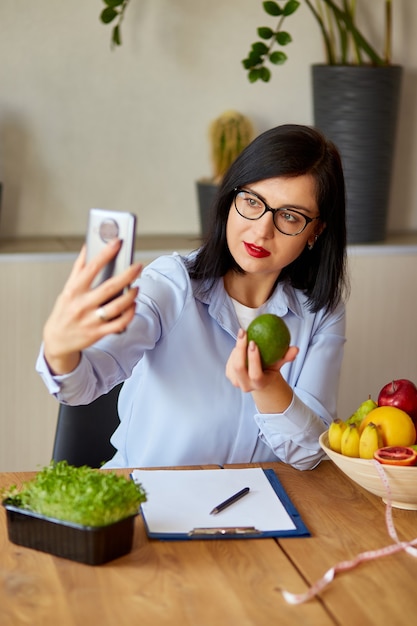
[[83, 432]]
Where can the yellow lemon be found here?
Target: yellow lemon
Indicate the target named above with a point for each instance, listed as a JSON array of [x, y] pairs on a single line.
[[271, 335], [397, 427]]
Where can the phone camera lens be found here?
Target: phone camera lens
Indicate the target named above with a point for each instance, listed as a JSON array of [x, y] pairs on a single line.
[[108, 230]]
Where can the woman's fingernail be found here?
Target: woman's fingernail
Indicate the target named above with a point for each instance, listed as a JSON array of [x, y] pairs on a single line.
[[241, 333]]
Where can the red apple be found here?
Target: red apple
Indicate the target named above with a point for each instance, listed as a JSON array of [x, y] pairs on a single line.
[[401, 393]]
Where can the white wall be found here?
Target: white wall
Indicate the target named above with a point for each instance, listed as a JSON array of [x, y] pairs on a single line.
[[82, 125]]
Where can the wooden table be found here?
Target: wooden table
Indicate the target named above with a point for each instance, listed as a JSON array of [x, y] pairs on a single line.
[[227, 582]]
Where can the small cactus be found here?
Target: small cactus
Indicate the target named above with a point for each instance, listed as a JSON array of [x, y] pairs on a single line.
[[229, 134]]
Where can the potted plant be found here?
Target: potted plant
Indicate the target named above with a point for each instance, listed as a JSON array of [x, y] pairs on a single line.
[[355, 101], [78, 513], [228, 135]]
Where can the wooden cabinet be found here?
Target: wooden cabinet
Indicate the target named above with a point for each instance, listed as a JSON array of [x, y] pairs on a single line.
[[381, 344]]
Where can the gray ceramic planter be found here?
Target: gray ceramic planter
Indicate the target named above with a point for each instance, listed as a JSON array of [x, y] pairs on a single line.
[[206, 193], [357, 108]]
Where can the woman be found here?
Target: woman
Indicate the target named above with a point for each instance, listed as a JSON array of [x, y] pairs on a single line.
[[195, 391]]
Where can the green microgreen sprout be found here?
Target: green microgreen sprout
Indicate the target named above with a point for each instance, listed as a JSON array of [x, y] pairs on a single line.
[[81, 495]]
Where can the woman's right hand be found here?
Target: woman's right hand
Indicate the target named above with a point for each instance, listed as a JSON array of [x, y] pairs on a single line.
[[79, 317]]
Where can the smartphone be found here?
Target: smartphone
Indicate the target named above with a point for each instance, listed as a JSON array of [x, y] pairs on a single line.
[[104, 225]]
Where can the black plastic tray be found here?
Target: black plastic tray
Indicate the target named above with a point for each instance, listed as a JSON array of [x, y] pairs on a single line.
[[85, 544]]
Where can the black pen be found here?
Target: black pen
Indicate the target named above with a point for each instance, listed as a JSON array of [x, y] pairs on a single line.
[[230, 500]]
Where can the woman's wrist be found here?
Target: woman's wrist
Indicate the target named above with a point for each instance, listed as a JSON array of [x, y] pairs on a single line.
[[274, 398], [60, 365]]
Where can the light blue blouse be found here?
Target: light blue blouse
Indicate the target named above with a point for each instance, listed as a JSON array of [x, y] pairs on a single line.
[[177, 407]]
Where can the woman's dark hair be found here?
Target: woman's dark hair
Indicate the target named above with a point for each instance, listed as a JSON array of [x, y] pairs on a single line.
[[288, 150]]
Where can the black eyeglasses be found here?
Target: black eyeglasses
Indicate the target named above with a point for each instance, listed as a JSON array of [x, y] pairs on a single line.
[[287, 220]]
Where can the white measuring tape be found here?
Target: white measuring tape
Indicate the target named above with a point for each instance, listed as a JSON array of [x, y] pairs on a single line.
[[342, 566]]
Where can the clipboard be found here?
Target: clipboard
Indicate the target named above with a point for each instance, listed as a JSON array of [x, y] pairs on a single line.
[[179, 503]]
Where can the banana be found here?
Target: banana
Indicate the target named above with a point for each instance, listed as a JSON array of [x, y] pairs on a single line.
[[336, 430], [362, 411], [350, 441], [370, 440]]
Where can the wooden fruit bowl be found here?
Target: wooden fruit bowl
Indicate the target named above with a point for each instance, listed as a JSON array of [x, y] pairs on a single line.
[[402, 480]]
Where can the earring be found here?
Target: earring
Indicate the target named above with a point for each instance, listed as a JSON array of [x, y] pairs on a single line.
[[311, 245]]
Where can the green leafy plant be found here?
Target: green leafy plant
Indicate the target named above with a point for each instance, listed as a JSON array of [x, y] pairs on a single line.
[[114, 12], [343, 41], [81, 495]]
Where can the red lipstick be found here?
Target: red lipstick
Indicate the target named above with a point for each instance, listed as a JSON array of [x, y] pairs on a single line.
[[256, 251]]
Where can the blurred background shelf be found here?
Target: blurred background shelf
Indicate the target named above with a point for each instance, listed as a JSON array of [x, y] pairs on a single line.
[[146, 244]]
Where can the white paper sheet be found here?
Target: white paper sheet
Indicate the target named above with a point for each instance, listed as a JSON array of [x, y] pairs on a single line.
[[181, 500]]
